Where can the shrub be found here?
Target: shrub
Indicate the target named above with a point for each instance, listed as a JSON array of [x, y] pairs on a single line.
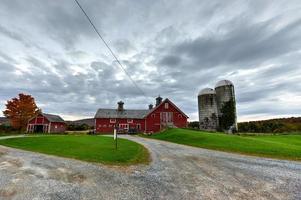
[[194, 125]]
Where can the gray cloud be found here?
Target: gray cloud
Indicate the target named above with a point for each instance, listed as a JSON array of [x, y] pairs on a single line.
[[246, 45], [174, 49], [123, 46]]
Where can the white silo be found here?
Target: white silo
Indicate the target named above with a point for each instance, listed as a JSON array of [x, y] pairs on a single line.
[[207, 106], [225, 97]]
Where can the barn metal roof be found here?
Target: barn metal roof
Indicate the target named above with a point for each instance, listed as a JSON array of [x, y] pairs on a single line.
[[53, 118], [114, 113], [206, 91], [223, 83]]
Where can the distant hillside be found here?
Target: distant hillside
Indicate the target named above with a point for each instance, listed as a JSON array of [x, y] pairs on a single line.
[[279, 125], [4, 120], [88, 121], [293, 120]]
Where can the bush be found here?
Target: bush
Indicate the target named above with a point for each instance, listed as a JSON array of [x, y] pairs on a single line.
[[8, 130], [194, 125], [78, 127]]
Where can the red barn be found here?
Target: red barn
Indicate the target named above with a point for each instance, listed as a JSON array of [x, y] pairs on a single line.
[[164, 114], [46, 123]]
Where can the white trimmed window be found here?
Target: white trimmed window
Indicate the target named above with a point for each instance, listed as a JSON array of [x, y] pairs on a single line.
[[166, 105], [124, 126], [130, 121], [112, 121], [180, 116], [153, 115]]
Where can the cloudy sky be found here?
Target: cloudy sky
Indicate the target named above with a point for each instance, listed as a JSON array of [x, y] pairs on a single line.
[[172, 48]]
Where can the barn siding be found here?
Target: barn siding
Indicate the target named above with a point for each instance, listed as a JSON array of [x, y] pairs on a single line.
[[103, 125], [40, 119], [57, 127], [153, 120]]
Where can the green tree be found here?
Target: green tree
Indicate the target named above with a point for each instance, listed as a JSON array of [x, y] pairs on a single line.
[[227, 118], [194, 124]]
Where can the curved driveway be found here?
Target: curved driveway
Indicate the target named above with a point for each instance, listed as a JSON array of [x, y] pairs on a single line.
[[176, 172]]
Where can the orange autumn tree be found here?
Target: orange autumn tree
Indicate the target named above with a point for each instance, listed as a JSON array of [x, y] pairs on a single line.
[[19, 110]]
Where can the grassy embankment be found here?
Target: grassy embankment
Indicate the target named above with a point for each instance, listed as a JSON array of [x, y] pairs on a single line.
[[273, 146], [99, 149]]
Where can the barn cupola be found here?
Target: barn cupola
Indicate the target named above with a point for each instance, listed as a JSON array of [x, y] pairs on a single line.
[[150, 106], [158, 100], [120, 106]]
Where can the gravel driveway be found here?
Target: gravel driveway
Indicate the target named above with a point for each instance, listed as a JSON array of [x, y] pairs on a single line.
[[176, 172]]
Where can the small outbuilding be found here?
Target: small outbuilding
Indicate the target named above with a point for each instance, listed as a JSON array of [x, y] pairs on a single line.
[[46, 123]]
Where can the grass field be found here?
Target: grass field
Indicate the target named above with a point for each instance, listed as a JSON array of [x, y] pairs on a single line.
[[10, 133], [87, 148], [273, 146]]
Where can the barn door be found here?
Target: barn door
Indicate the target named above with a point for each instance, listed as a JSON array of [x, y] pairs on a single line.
[[170, 117], [163, 117], [166, 117]]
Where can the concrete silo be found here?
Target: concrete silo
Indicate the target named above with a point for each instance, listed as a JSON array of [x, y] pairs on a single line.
[[207, 105], [226, 105]]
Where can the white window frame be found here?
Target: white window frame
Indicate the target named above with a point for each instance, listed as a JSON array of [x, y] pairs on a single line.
[[130, 121], [124, 126], [153, 115], [166, 105], [112, 121]]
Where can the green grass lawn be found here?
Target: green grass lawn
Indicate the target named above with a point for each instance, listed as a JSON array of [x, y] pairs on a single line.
[[10, 133], [273, 146], [88, 148]]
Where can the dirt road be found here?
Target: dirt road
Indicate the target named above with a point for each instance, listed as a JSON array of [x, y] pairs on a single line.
[[176, 172]]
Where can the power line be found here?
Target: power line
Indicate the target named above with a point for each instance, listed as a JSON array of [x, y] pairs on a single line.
[[113, 54]]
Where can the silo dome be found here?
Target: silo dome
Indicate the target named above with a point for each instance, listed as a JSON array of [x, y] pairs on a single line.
[[206, 91], [223, 83]]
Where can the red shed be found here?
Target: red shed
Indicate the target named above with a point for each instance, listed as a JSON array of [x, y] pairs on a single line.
[[164, 114], [46, 123]]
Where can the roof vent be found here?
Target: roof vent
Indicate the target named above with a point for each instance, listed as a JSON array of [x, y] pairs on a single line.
[[150, 106], [158, 100]]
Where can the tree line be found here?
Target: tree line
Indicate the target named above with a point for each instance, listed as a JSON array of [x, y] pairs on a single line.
[[281, 125]]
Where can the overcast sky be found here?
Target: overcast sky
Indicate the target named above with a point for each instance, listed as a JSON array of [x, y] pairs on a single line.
[[172, 48]]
